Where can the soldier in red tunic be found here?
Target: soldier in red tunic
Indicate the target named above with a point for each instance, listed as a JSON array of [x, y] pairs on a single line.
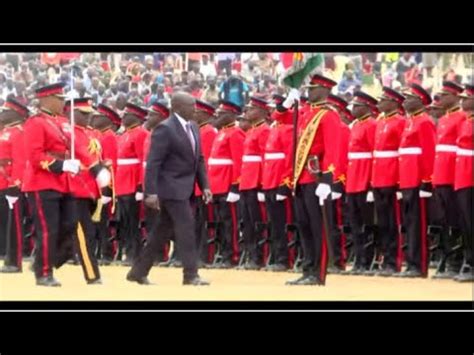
[[416, 159], [106, 122], [224, 175], [12, 167], [464, 182], [361, 144], [318, 130], [447, 215], [129, 178], [384, 180], [205, 214], [251, 193]]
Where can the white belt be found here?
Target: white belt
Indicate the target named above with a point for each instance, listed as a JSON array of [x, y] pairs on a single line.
[[213, 161], [385, 153], [446, 148], [465, 152], [359, 155], [127, 161], [274, 156], [251, 158], [410, 151]]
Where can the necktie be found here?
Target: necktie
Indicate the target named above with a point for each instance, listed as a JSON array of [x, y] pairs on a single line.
[[191, 137]]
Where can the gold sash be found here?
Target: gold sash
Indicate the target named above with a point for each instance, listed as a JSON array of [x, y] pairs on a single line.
[[305, 143]]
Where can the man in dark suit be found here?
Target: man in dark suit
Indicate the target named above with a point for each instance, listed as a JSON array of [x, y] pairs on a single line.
[[174, 164]]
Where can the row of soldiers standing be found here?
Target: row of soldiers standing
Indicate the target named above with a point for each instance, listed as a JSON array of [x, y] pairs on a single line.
[[369, 172]]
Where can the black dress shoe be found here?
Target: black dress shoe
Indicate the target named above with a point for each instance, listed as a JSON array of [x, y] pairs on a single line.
[[251, 266], [278, 268], [196, 281], [306, 281], [105, 262], [9, 269], [387, 272], [176, 263], [95, 282], [356, 270], [140, 280], [465, 277], [335, 270], [445, 275], [47, 281], [410, 274], [225, 265], [368, 272]]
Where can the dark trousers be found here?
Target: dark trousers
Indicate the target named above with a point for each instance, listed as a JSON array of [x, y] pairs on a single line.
[[386, 206], [361, 215], [310, 223], [251, 217], [55, 220], [14, 234], [466, 207], [280, 215], [130, 238], [175, 217], [204, 214], [3, 223], [414, 219], [85, 241], [152, 220], [228, 231], [336, 237], [107, 233], [447, 216]]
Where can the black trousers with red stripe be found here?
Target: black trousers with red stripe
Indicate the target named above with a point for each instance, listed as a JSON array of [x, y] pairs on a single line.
[[14, 243], [228, 231], [107, 230], [251, 217], [447, 216], [280, 214], [55, 219], [204, 214], [415, 221], [130, 239], [336, 238], [3, 223], [386, 206], [85, 239], [361, 214], [310, 224], [465, 199]]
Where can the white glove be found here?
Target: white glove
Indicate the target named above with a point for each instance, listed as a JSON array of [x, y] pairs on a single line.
[[106, 200], [71, 166], [336, 195], [293, 95], [103, 178], [370, 196], [232, 197], [11, 201], [425, 194], [281, 197], [399, 195], [139, 196], [260, 197], [323, 191]]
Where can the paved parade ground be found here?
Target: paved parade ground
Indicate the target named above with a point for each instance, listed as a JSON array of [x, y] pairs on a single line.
[[227, 285]]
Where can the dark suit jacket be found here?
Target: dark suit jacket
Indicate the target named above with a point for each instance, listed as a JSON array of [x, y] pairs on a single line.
[[172, 168]]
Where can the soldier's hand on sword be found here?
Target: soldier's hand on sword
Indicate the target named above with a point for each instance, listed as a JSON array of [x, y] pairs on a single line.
[[152, 201]]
